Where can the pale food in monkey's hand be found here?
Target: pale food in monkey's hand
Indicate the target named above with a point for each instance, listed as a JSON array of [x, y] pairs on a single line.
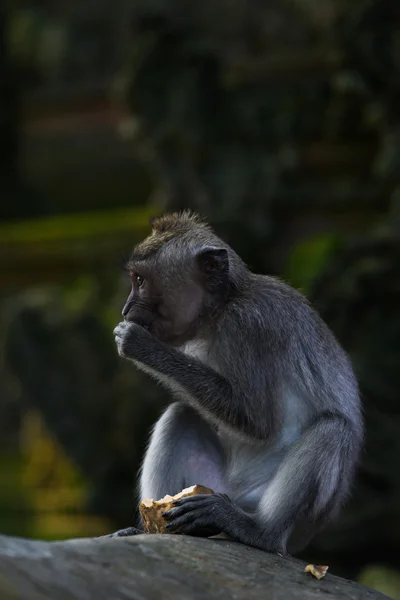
[[152, 510]]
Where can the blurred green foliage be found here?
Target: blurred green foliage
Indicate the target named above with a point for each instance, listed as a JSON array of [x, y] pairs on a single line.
[[308, 259], [383, 579], [111, 223]]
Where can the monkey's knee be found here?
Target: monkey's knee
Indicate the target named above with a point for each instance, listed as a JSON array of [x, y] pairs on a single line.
[[180, 414], [181, 425]]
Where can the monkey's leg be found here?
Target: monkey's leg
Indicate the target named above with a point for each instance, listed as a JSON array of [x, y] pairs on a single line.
[[183, 450], [310, 483]]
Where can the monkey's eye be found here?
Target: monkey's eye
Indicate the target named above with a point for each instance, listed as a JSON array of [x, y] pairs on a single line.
[[139, 280]]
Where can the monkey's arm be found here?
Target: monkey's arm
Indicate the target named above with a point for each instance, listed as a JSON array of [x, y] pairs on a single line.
[[190, 379]]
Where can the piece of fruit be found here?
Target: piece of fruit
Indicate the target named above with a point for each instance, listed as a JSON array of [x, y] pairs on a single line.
[[152, 510], [318, 571]]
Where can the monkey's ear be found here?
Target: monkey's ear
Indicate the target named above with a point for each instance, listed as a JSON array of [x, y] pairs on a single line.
[[213, 260]]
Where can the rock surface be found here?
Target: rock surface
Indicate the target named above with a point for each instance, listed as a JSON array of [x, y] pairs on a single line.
[[166, 567]]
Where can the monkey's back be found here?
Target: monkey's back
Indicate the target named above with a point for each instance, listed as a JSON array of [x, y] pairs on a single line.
[[278, 335]]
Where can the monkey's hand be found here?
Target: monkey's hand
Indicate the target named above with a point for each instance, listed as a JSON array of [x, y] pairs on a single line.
[[194, 514], [132, 339]]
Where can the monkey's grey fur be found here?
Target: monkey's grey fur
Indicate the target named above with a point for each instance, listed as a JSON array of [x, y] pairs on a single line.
[[268, 412]]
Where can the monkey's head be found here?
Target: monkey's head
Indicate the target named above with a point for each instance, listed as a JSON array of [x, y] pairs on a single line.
[[180, 274]]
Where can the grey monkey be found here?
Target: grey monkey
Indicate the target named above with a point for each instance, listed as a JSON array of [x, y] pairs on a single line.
[[267, 409]]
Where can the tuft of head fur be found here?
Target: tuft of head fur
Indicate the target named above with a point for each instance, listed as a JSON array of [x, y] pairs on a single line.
[[178, 222], [169, 226]]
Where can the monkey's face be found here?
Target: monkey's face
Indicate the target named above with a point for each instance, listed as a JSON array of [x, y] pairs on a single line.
[[168, 312], [171, 291]]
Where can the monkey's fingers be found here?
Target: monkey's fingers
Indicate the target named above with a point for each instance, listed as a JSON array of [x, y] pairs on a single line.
[[120, 329], [192, 521], [189, 511], [182, 515], [206, 499], [170, 515], [181, 507]]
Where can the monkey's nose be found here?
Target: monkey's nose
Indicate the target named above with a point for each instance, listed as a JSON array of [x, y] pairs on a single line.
[[126, 309]]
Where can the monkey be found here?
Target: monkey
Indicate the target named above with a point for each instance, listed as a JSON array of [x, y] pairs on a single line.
[[266, 409]]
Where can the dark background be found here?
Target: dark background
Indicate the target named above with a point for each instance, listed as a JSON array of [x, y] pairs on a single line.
[[279, 121]]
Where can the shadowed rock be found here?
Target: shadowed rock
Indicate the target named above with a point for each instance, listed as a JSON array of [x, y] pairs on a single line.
[[164, 567]]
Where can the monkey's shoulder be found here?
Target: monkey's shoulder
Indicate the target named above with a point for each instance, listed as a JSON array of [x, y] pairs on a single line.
[[269, 304], [273, 289]]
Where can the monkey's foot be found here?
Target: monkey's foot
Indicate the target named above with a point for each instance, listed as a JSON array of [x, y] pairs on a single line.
[[124, 533]]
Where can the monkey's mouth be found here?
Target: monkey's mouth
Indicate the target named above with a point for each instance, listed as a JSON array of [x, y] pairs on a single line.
[[145, 324]]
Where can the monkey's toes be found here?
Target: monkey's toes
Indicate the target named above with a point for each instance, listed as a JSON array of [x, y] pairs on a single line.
[[124, 532]]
